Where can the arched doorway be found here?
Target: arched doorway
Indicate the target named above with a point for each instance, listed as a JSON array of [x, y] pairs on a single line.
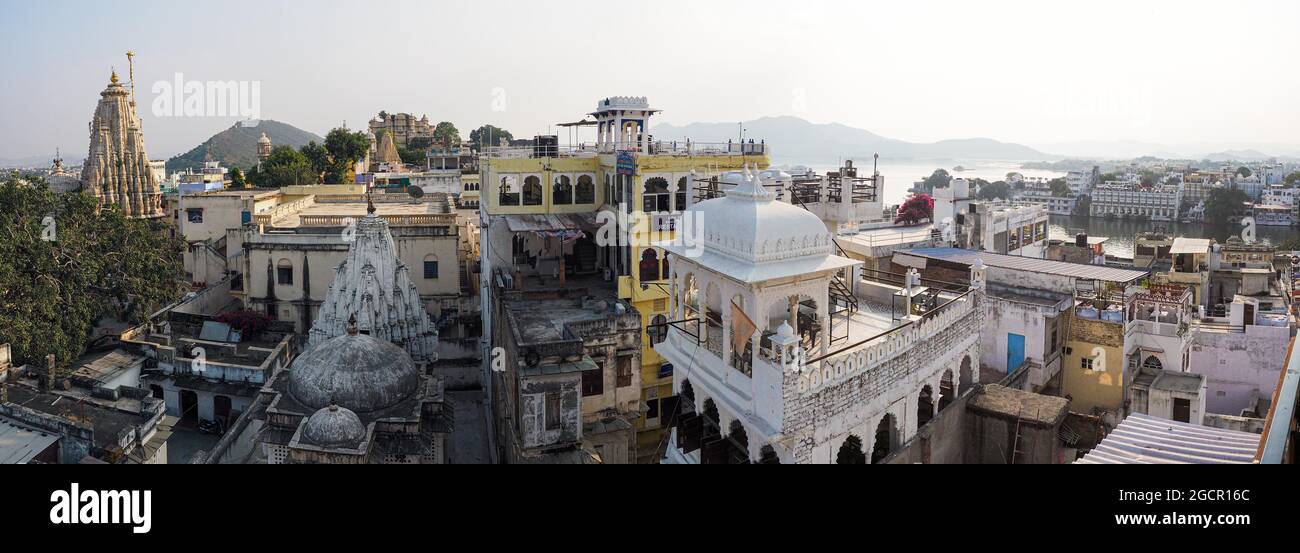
[[946, 392], [739, 442], [189, 406], [221, 408], [850, 452], [924, 406], [967, 378], [886, 438]]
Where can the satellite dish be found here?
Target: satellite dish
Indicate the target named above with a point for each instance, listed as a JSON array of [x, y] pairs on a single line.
[[415, 192]]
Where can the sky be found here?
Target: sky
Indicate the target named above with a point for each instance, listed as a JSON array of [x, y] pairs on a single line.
[[1038, 73]]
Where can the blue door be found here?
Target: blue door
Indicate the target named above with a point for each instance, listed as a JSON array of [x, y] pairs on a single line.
[[1015, 351]]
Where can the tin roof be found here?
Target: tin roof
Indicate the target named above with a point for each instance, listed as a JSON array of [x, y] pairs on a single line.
[[1031, 264], [1144, 439]]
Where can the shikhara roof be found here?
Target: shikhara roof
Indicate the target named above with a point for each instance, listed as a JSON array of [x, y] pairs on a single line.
[[1144, 439]]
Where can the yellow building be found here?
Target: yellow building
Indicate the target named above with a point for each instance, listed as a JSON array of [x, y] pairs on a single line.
[[590, 211], [1092, 374]]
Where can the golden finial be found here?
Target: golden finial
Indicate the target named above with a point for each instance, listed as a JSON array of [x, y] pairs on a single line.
[[113, 79]]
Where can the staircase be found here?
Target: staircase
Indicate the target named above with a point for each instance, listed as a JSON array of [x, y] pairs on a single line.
[[585, 250], [841, 294]]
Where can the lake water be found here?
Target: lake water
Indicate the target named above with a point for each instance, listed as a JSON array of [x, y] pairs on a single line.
[[901, 174], [1122, 232]]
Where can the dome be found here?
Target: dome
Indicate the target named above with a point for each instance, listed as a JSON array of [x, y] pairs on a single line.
[[355, 371], [334, 426], [264, 139], [749, 225]]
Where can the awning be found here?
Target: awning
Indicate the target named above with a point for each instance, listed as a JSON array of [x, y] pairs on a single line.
[[909, 261], [1190, 245], [552, 222], [19, 444]]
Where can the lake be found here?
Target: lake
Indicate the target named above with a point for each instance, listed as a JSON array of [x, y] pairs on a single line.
[[1122, 232]]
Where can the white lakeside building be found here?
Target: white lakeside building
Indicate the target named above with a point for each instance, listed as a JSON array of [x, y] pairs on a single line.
[[875, 371]]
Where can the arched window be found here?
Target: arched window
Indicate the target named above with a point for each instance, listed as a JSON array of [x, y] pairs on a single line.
[[946, 392], [509, 193], [681, 195], [655, 196], [658, 329], [563, 194], [284, 272], [886, 439], [850, 452], [532, 191], [649, 265], [767, 456], [586, 192], [925, 406], [1152, 363], [430, 266]]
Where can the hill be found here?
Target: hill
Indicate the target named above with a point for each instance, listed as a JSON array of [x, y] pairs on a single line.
[[237, 146], [792, 137]]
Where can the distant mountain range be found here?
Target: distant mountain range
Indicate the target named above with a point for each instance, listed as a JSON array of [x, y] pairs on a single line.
[[795, 138], [237, 146]]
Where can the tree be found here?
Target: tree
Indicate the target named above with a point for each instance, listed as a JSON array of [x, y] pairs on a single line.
[[59, 280], [345, 149], [1293, 178], [319, 158], [1059, 188], [994, 191], [938, 179], [1243, 171], [446, 134], [1222, 204], [237, 178], [286, 167], [488, 135], [917, 208]]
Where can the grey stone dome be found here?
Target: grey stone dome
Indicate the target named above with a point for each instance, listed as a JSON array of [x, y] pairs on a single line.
[[334, 426], [358, 372]]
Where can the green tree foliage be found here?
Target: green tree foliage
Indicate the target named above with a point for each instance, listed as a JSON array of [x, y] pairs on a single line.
[[938, 179], [237, 178], [286, 167], [1293, 178], [1221, 204], [994, 191], [446, 134], [1243, 171], [489, 135], [345, 149], [1059, 188], [98, 264], [318, 157]]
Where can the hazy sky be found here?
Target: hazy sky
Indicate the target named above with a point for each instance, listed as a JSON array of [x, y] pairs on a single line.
[[1031, 72]]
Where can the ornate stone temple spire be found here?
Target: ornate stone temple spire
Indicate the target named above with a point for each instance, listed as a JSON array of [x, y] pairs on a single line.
[[117, 167], [375, 288]]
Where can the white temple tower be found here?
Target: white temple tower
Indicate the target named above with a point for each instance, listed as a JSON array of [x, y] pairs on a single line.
[[117, 167], [373, 286]]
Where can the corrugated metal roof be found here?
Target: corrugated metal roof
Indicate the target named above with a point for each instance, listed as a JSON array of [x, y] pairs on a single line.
[[1144, 439], [18, 444], [1031, 264]]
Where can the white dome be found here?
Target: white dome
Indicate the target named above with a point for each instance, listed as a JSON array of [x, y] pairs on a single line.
[[749, 225]]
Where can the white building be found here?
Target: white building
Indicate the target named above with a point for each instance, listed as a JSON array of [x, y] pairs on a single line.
[[1124, 201], [754, 295]]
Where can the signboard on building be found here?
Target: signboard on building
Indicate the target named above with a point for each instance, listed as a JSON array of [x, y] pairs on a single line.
[[626, 164]]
